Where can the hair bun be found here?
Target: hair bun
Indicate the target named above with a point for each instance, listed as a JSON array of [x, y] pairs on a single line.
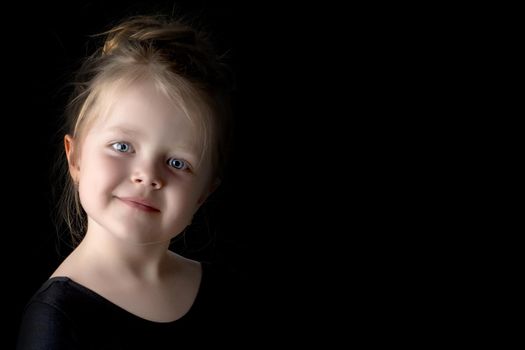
[[181, 46]]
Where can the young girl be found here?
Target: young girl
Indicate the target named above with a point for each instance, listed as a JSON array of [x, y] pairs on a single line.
[[145, 146]]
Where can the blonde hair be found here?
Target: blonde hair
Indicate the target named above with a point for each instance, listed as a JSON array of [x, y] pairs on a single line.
[[183, 65]]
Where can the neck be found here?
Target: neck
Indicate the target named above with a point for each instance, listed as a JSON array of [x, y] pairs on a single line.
[[108, 254]]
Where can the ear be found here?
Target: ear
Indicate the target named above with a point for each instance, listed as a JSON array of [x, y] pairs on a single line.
[[209, 191], [72, 157]]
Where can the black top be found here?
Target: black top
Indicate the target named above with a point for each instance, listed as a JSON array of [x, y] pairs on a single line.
[[66, 315]]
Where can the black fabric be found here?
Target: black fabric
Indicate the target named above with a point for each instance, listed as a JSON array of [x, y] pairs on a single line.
[[66, 315]]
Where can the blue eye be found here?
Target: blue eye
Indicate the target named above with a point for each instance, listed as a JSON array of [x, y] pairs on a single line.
[[121, 147], [178, 164]]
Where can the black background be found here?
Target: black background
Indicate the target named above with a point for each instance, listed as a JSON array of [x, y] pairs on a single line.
[[41, 51], [339, 209], [267, 215]]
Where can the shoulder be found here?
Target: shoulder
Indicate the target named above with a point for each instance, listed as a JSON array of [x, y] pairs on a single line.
[[46, 323], [204, 275], [57, 293], [183, 270]]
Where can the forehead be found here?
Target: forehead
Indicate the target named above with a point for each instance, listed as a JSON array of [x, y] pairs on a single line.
[[144, 109]]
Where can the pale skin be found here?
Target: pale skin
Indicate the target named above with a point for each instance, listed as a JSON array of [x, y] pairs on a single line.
[[140, 182]]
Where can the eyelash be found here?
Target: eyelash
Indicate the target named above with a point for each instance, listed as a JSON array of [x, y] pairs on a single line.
[[115, 145], [185, 166]]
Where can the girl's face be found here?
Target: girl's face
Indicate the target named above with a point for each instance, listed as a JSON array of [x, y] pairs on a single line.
[[138, 168]]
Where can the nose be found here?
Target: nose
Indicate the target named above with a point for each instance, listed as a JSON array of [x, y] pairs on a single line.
[[147, 177], [155, 184]]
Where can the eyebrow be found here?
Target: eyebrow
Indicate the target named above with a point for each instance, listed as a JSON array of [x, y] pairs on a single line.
[[124, 130]]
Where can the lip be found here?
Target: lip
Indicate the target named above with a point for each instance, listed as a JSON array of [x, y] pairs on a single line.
[[139, 203]]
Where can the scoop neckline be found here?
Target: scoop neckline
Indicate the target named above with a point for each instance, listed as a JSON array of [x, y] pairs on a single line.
[[124, 311]]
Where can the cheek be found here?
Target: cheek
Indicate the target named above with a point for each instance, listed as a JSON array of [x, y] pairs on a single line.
[[100, 172], [182, 201]]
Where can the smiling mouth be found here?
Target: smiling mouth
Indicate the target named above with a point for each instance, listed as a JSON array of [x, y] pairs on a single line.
[[140, 206]]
